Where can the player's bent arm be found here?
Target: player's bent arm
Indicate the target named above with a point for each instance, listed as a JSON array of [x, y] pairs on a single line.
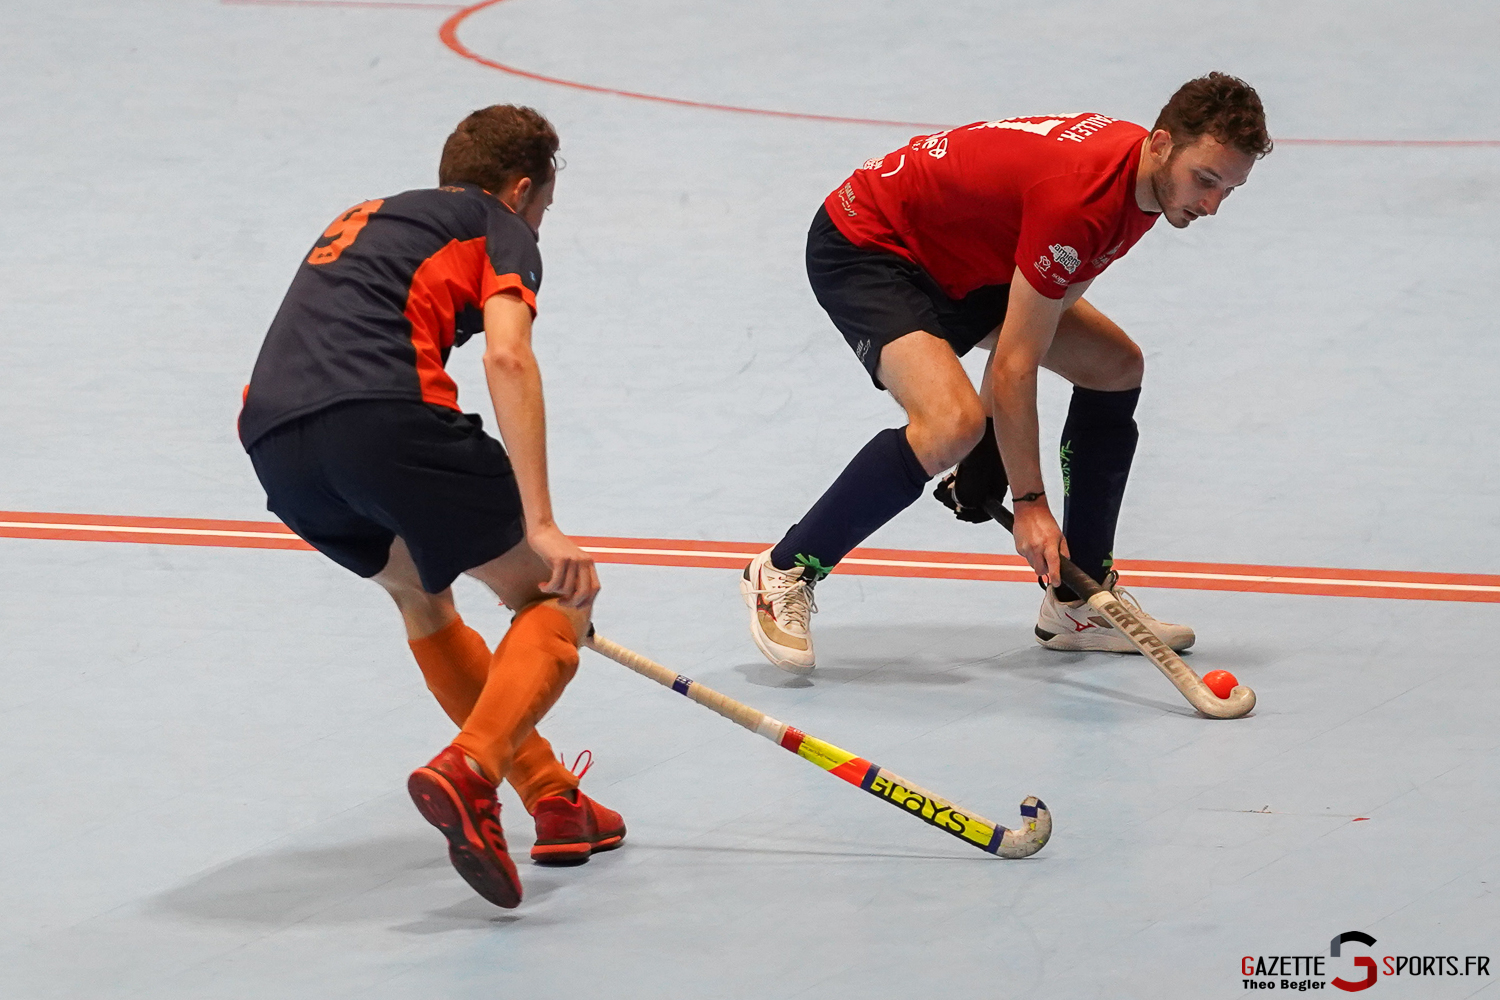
[[515, 384], [1024, 338]]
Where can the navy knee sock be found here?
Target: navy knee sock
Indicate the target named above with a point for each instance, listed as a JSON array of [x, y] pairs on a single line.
[[883, 480], [1098, 442]]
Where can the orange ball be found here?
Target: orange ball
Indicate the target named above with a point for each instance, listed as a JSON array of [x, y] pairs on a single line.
[[1220, 682]]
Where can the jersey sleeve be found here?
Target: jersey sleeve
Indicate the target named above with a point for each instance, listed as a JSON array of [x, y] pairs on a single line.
[[1057, 238], [514, 264]]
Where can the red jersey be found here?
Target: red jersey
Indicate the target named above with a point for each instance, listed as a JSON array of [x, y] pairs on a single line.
[[1051, 194]]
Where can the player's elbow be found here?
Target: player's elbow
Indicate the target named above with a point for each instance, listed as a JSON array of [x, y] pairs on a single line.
[[1011, 375], [504, 362]]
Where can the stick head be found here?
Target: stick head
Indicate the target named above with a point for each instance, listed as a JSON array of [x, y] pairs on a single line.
[[1239, 703], [1032, 835]]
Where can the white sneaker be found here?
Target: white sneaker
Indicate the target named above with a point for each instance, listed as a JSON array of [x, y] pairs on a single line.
[[781, 608], [1079, 627]]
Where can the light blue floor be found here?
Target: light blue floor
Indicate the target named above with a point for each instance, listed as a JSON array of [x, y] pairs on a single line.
[[203, 751]]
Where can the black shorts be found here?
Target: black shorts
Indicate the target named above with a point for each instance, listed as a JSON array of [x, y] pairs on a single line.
[[350, 478], [875, 297]]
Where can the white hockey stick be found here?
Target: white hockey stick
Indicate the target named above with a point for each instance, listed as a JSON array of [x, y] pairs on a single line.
[[1240, 701]]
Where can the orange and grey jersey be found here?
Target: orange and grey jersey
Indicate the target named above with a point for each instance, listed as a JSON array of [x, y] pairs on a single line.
[[391, 287]]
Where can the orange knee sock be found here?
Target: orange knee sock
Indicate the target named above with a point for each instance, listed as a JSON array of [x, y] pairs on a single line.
[[527, 674], [455, 662]]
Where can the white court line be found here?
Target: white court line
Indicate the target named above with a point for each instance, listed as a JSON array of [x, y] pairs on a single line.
[[993, 568], [852, 560]]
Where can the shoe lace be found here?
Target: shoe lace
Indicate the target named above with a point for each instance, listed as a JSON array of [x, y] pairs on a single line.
[[792, 600], [1126, 598], [563, 759], [797, 605]]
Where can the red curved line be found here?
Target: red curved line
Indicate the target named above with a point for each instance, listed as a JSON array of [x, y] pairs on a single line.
[[449, 34]]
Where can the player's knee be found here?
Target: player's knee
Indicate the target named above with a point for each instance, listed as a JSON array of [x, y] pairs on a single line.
[[410, 597], [1133, 368], [1128, 371], [579, 618], [954, 431]]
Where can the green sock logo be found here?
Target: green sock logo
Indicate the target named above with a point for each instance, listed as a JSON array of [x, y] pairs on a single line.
[[1066, 454], [812, 569]]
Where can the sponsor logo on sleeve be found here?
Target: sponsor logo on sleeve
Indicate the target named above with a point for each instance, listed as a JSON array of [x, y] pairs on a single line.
[[873, 163], [1102, 261], [1066, 256], [846, 199], [934, 145]]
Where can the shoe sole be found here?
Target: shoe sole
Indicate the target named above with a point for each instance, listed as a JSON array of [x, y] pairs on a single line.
[[766, 647], [493, 877], [574, 852], [1093, 643]]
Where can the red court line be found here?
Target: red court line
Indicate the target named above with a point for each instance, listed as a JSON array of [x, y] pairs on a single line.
[[449, 34], [342, 3], [1317, 581]]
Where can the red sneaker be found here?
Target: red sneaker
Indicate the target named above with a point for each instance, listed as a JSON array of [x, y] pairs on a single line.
[[569, 830], [462, 804]]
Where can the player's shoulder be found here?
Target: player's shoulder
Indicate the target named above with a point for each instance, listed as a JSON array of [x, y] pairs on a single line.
[[1067, 128], [499, 218], [449, 199], [463, 210]]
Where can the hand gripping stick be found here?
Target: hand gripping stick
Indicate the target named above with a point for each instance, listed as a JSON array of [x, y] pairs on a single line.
[[1240, 701]]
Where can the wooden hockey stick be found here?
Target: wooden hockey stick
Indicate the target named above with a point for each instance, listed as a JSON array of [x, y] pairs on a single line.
[[934, 810], [1240, 701]]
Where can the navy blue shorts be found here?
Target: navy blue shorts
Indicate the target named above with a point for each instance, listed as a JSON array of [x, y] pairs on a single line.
[[874, 297], [351, 478]]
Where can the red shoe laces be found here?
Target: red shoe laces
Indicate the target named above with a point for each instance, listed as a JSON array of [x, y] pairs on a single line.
[[562, 758]]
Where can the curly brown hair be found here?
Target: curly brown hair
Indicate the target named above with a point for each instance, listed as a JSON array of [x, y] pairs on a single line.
[[1219, 105], [497, 145]]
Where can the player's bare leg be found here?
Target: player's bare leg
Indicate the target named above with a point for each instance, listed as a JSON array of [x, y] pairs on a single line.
[[945, 416], [945, 419], [1092, 352], [1106, 369]]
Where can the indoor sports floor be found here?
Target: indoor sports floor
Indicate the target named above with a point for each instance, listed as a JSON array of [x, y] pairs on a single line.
[[203, 747]]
